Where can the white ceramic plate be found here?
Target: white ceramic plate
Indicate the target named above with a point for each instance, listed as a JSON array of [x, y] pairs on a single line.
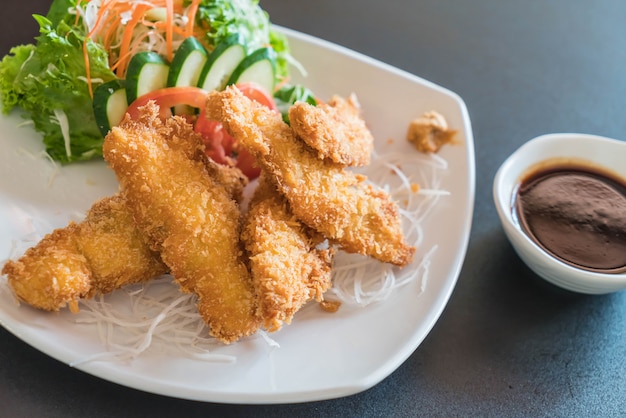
[[321, 356]]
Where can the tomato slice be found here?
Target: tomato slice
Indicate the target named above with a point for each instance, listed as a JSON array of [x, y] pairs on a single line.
[[247, 164], [220, 145], [169, 97], [257, 93]]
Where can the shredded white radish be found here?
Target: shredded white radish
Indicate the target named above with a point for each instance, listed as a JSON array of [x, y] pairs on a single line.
[[414, 181], [43, 155], [60, 118], [146, 36], [156, 316], [151, 315]]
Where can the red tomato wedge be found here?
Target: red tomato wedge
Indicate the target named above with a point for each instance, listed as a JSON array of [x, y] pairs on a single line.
[[257, 93], [169, 97], [220, 145]]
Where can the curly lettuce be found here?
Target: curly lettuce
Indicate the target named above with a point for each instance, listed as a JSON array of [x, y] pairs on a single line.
[[289, 94], [222, 18], [47, 81]]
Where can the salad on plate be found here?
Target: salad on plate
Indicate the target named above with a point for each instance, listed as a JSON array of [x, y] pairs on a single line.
[[94, 59]]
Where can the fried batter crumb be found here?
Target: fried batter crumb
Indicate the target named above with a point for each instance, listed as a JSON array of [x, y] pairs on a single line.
[[330, 306], [335, 130], [430, 132]]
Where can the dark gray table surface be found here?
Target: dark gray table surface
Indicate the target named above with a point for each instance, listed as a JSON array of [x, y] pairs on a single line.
[[506, 344]]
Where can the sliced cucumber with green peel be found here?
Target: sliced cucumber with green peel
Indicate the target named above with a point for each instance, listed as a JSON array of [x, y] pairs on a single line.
[[147, 71], [187, 64], [221, 63], [186, 67], [258, 67], [109, 104]]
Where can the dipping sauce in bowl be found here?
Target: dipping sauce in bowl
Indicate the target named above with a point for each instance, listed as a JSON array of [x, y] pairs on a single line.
[[577, 213], [561, 199]]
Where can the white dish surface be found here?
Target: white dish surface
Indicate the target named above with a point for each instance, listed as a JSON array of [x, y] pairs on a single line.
[[321, 355]]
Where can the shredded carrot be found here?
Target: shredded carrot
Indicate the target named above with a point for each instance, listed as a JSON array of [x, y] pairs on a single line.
[[101, 13], [175, 29], [77, 18], [124, 57], [169, 21], [281, 83], [87, 68], [191, 17], [116, 31], [109, 36]]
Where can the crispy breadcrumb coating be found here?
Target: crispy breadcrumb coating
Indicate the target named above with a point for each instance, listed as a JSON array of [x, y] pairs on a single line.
[[102, 253], [187, 216], [233, 180], [116, 251], [52, 274], [335, 130], [287, 269], [337, 203], [430, 132], [98, 255]]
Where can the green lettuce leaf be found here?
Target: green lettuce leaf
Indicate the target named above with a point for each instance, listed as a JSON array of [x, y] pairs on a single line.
[[289, 94], [221, 18], [58, 11], [47, 81]]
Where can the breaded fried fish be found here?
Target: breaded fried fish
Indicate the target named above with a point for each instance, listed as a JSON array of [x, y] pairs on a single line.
[[53, 274], [334, 129], [97, 255], [337, 203], [102, 253], [116, 251], [188, 216], [287, 269]]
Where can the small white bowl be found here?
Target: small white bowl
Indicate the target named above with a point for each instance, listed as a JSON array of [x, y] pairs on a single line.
[[601, 152]]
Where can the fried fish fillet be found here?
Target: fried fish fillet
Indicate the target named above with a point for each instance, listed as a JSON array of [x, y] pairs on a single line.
[[114, 248], [287, 269], [102, 253], [52, 274], [334, 129], [97, 255], [186, 215], [335, 202]]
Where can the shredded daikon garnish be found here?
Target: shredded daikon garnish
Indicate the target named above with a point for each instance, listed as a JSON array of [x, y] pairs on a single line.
[[153, 315], [107, 23], [60, 118], [43, 155], [360, 280]]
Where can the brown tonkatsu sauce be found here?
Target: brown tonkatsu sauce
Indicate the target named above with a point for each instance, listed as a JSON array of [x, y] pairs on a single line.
[[577, 213]]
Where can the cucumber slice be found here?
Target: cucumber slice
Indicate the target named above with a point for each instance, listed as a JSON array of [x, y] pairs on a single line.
[[257, 67], [147, 71], [109, 104], [186, 67], [187, 64], [221, 63]]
